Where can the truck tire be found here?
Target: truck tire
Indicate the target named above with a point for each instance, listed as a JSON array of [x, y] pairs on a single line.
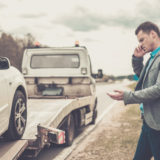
[[18, 117], [70, 130]]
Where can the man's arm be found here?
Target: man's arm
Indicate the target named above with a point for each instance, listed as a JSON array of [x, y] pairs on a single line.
[[137, 64], [137, 60], [144, 95], [141, 96]]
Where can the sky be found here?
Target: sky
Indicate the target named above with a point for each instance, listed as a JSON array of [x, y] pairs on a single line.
[[105, 27]]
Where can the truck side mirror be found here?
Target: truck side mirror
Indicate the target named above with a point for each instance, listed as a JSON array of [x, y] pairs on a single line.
[[100, 73], [4, 63]]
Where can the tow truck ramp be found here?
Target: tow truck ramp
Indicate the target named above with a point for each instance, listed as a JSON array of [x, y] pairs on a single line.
[[12, 150], [41, 132]]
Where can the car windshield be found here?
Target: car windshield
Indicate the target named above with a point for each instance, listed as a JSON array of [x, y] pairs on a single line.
[[55, 61]]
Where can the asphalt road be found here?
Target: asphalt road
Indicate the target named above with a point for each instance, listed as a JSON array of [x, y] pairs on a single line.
[[104, 102]]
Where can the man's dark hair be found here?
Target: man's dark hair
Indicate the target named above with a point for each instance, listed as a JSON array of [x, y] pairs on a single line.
[[147, 27]]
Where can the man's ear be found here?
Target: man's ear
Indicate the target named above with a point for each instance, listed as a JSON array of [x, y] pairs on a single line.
[[153, 34]]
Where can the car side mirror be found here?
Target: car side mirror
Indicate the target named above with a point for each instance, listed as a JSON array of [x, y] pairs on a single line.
[[4, 63]]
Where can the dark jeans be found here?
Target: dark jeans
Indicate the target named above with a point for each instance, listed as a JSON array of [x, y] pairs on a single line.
[[148, 144]]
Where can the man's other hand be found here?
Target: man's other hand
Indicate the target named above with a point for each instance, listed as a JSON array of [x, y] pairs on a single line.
[[117, 95]]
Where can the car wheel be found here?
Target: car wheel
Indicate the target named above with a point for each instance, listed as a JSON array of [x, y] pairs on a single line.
[[70, 130], [18, 117]]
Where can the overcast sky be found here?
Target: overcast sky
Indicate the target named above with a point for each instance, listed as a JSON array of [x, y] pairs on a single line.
[[105, 27]]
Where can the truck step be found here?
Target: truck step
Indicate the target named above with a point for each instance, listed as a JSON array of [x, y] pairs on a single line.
[[30, 152]]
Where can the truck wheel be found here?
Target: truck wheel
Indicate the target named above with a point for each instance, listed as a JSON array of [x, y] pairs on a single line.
[[70, 130], [18, 117]]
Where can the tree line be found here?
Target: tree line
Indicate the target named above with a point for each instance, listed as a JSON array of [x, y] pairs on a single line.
[[13, 47]]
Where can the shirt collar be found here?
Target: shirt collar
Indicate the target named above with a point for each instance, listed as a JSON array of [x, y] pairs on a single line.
[[155, 52]]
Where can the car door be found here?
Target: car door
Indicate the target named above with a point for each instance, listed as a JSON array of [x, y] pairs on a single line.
[[4, 105]]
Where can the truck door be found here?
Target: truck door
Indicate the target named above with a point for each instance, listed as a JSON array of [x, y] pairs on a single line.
[[3, 101]]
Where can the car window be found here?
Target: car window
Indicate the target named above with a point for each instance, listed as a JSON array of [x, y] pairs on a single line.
[[4, 64]]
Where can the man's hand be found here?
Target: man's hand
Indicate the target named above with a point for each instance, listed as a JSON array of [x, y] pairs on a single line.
[[140, 51], [119, 95]]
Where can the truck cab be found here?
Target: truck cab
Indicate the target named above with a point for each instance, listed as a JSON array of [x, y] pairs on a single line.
[[58, 72]]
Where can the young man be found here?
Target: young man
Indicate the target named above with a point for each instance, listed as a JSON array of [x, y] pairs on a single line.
[[147, 91]]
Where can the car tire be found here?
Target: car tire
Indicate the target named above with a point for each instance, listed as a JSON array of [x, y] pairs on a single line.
[[70, 130], [18, 117]]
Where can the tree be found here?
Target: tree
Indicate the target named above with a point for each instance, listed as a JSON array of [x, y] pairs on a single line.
[[13, 48]]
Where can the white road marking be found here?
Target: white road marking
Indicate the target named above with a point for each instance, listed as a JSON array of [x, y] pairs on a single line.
[[106, 111]]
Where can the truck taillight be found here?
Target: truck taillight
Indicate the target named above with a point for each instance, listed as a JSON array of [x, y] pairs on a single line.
[[83, 71], [57, 137], [37, 44], [76, 43], [61, 137]]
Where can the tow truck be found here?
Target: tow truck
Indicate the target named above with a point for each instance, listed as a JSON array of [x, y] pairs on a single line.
[[61, 99]]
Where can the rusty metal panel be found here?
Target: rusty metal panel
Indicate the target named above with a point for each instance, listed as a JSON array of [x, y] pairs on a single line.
[[12, 150], [77, 90]]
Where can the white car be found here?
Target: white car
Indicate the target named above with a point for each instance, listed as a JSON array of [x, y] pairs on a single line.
[[13, 101]]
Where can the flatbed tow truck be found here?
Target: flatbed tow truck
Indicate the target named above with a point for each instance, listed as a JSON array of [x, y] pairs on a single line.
[[61, 100]]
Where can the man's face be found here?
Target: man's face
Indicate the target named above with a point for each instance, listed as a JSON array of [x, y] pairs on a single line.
[[146, 41]]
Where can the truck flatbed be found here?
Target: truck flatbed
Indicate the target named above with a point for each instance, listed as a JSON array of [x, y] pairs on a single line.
[[50, 112], [44, 112]]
